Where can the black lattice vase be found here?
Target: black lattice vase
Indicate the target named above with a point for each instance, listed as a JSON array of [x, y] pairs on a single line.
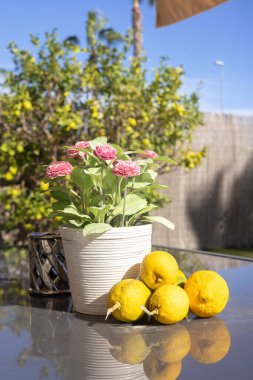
[[48, 271]]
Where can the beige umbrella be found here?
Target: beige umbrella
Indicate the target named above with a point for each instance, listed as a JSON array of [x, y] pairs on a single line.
[[171, 11]]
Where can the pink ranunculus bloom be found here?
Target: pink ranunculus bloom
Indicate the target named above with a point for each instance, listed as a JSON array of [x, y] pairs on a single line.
[[105, 152], [58, 169], [149, 154], [75, 153], [126, 168]]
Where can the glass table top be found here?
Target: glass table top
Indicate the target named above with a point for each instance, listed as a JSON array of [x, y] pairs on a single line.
[[42, 338]]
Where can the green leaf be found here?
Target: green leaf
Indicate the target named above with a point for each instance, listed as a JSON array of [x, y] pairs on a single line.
[[110, 182], [59, 206], [60, 195], [141, 212], [72, 210], [99, 212], [134, 203], [160, 219], [98, 141], [81, 179], [75, 223], [96, 228], [165, 159]]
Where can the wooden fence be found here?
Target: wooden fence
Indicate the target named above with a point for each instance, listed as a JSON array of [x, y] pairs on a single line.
[[212, 206]]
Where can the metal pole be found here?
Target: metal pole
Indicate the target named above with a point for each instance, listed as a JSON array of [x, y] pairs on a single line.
[[222, 88], [221, 65]]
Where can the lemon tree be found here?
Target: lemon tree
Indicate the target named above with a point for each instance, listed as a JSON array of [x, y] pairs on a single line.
[[60, 92]]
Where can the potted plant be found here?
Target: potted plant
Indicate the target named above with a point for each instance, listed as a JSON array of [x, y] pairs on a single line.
[[99, 194]]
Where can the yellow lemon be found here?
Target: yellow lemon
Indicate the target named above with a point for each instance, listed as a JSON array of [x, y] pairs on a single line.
[[13, 170], [20, 148], [126, 298], [132, 122], [210, 340], [181, 279], [173, 344], [146, 142], [169, 304], [158, 268], [208, 293], [158, 370], [17, 113], [8, 176], [44, 186], [15, 192], [131, 349], [27, 105]]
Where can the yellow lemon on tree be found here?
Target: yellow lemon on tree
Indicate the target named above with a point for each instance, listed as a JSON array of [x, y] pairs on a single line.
[[158, 370], [158, 268], [27, 105], [173, 344], [208, 293], [131, 349], [44, 186], [126, 298], [132, 122], [168, 304], [210, 340]]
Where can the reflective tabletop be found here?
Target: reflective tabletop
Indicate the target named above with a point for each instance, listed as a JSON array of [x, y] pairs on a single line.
[[42, 338]]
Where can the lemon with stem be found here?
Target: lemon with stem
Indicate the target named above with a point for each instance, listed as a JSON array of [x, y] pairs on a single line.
[[126, 298], [169, 304]]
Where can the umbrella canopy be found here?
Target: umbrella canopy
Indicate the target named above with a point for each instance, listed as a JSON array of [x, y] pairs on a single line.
[[171, 11]]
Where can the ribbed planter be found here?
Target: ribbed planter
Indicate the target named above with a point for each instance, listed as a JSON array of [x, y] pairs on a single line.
[[90, 357], [96, 263]]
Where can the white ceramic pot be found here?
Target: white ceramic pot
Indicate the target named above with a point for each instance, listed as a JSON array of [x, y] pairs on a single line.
[[96, 263]]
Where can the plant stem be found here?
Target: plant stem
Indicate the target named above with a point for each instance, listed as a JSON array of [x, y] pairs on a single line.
[[102, 188], [124, 205], [119, 189]]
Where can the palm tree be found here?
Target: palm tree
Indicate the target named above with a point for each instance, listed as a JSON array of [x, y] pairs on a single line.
[[137, 26]]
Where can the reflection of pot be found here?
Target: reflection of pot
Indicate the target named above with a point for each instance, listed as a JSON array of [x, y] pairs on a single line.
[[90, 356], [50, 333], [210, 340]]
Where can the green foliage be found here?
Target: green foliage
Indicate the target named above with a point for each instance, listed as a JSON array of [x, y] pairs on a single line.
[[60, 92], [95, 197]]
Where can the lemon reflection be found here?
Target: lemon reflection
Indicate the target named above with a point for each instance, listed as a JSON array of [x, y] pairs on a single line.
[[159, 351], [158, 370], [210, 340], [172, 344], [131, 349]]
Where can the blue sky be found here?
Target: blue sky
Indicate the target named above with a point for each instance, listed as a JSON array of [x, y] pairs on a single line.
[[224, 33]]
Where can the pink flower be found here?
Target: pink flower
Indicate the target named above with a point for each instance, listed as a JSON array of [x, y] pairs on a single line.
[[58, 169], [149, 154], [126, 168], [74, 153], [105, 152]]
